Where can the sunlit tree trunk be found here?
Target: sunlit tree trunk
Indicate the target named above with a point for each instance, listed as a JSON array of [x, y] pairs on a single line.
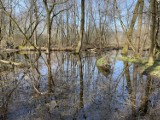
[[67, 25], [36, 17], [152, 31], [140, 15], [146, 33], [115, 23], [75, 27], [78, 48], [130, 31]]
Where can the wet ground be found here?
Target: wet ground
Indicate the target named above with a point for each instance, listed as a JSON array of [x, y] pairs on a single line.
[[75, 89]]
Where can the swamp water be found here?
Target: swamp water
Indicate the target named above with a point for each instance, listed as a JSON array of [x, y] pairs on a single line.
[[77, 89]]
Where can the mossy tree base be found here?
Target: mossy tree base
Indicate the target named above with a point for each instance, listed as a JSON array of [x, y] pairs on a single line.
[[144, 66]]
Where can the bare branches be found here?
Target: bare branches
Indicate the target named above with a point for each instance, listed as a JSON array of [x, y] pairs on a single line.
[[130, 31], [27, 38], [54, 15]]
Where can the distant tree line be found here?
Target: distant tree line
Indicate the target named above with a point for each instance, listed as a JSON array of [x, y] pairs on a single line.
[[97, 23]]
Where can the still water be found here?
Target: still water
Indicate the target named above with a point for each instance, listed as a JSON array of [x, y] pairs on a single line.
[[76, 89]]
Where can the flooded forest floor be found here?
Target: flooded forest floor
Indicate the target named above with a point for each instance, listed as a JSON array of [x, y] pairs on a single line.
[[76, 89]]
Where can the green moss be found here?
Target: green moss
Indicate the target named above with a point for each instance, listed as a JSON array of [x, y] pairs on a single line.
[[102, 61], [103, 66], [153, 70], [25, 47], [150, 69], [134, 60], [125, 49]]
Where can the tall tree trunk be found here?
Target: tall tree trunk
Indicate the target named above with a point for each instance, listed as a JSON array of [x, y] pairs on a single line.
[[10, 21], [49, 24], [1, 26], [67, 22], [115, 24], [152, 31], [75, 28], [100, 26], [139, 25], [78, 48], [36, 21], [81, 82]]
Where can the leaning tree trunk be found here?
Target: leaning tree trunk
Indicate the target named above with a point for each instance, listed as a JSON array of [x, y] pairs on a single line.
[[130, 31], [79, 46]]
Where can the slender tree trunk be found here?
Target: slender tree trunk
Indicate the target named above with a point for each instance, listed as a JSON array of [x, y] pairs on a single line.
[[10, 21], [100, 27], [36, 21], [81, 82], [139, 25], [146, 34], [78, 48], [75, 28], [67, 22], [48, 33], [115, 24], [1, 24]]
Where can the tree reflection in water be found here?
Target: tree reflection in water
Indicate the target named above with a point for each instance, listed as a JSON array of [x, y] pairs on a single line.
[[66, 86]]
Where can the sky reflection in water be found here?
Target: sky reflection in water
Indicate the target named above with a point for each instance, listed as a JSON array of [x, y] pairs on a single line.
[[94, 96]]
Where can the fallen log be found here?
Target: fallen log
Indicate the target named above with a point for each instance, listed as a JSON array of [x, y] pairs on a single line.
[[63, 49], [30, 48], [13, 63]]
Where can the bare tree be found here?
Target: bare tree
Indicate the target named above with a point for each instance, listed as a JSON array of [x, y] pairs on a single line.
[[1, 27], [130, 30], [115, 23], [78, 48], [152, 31], [36, 18], [140, 15]]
